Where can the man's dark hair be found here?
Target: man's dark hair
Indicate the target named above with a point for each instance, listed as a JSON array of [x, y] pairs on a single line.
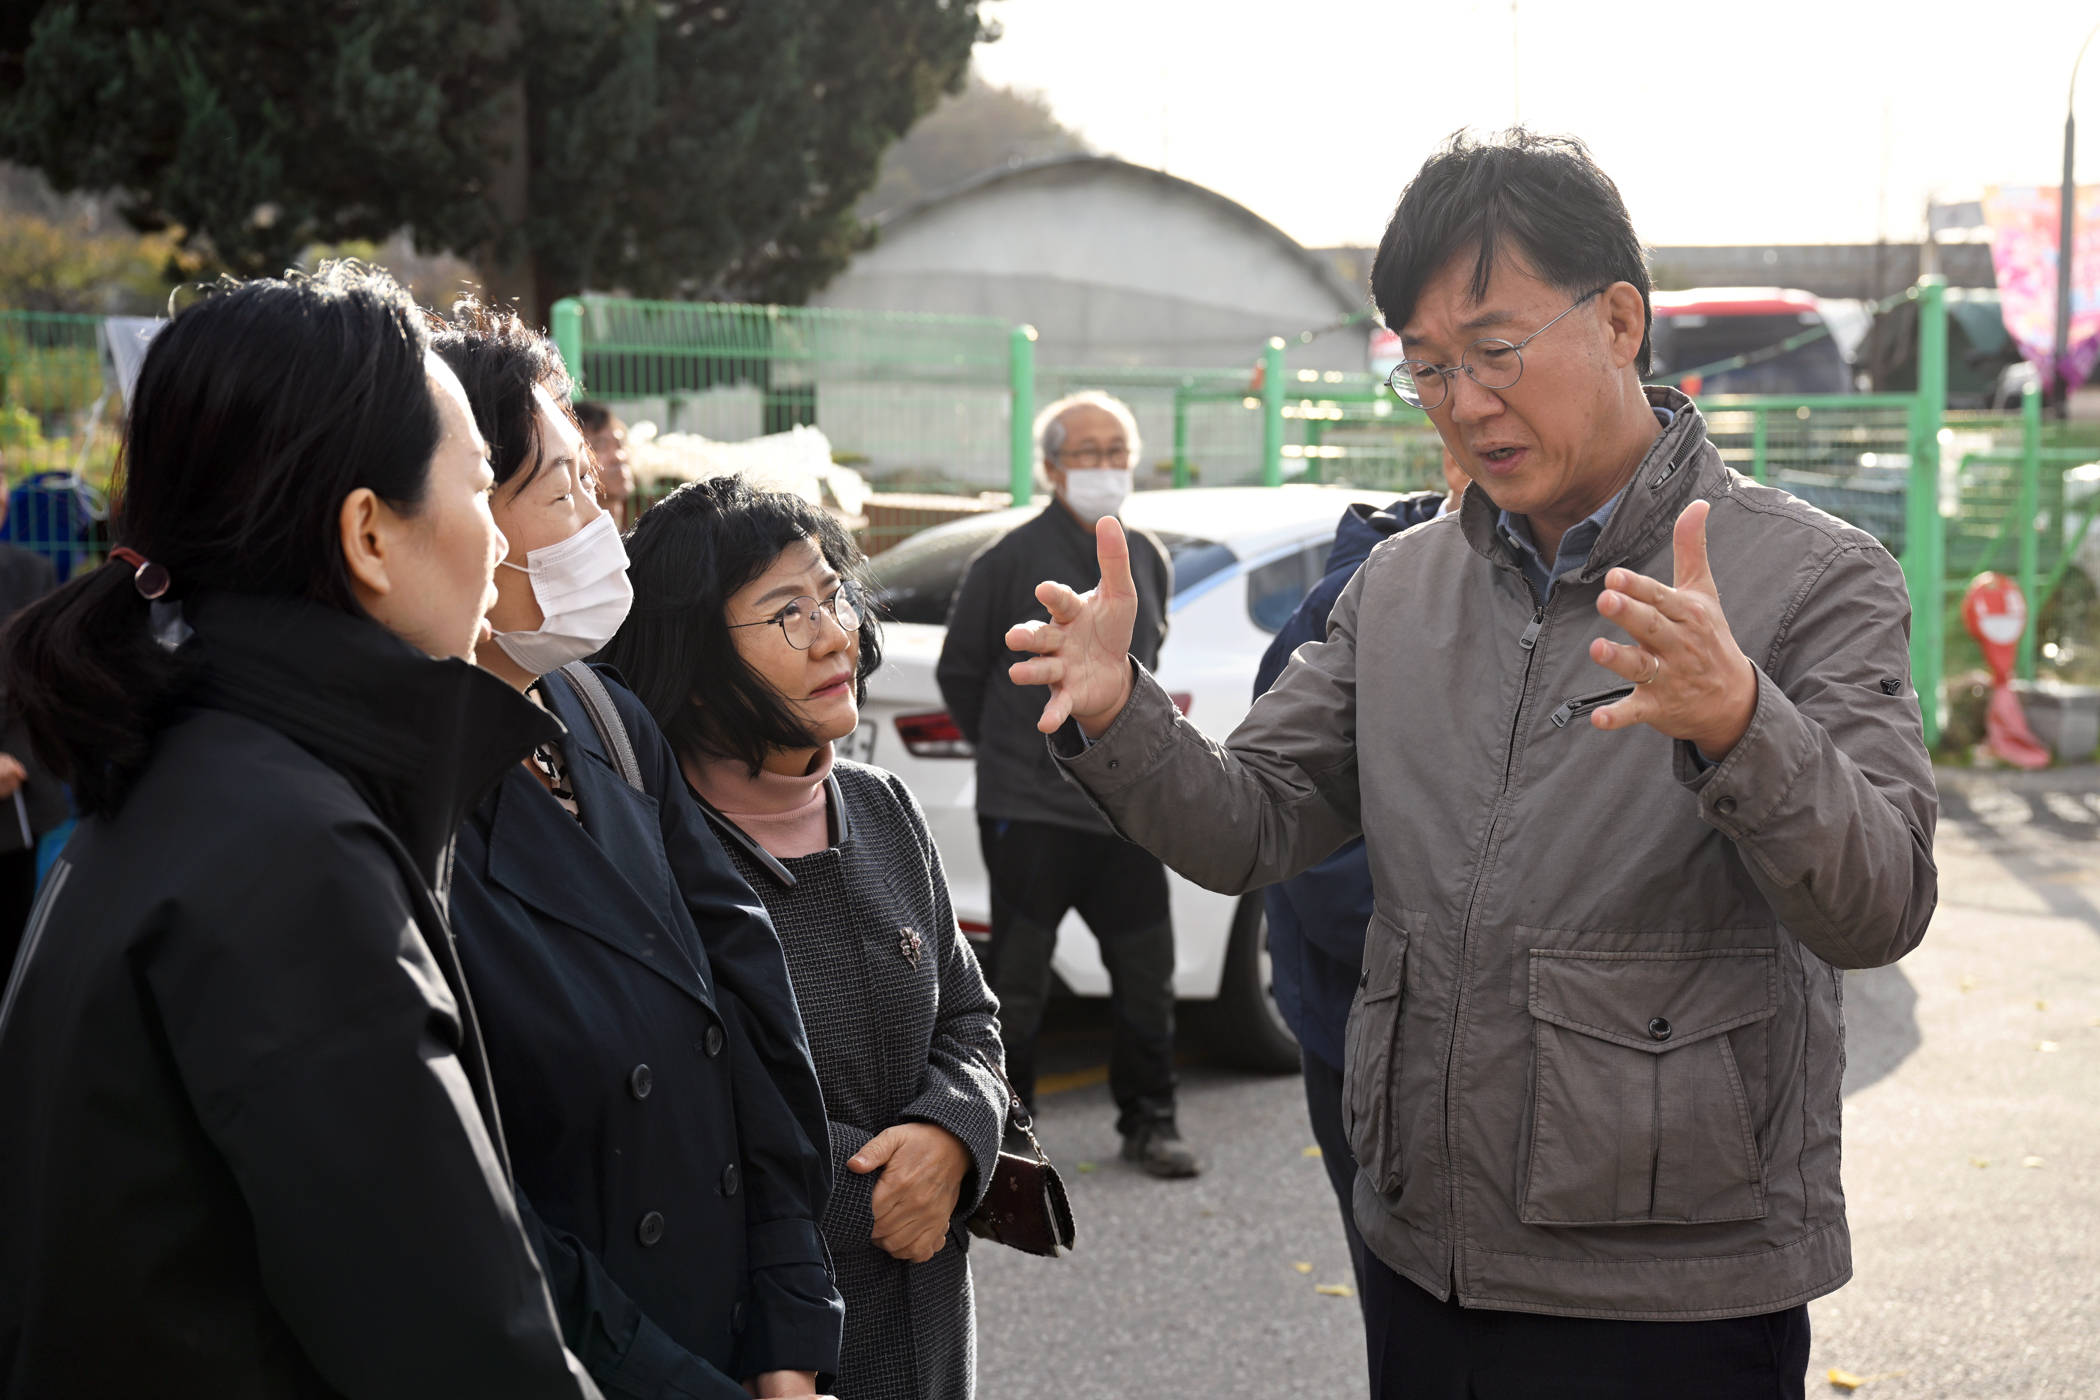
[[689, 554], [592, 416], [1542, 193], [500, 361]]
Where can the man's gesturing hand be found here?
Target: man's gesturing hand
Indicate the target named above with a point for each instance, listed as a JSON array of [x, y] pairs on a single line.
[[1692, 681], [1083, 652]]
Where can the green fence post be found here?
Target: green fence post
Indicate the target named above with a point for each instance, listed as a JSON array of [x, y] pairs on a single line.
[[1272, 413], [1181, 437], [1924, 545], [2029, 507], [1020, 351], [567, 316], [1758, 470]]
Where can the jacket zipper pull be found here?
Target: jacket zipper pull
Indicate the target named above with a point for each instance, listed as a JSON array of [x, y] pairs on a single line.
[[1563, 714], [1531, 633]]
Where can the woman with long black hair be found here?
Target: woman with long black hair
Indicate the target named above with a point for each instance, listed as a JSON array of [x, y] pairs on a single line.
[[663, 1115], [750, 646], [251, 1147]]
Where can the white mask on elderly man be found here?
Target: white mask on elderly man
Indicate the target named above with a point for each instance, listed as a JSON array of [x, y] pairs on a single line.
[[582, 589], [1093, 493]]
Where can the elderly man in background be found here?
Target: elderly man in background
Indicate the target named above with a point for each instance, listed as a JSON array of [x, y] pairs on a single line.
[[1592, 1072], [1045, 849]]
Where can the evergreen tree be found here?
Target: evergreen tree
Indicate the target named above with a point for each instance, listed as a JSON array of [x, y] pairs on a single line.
[[659, 147]]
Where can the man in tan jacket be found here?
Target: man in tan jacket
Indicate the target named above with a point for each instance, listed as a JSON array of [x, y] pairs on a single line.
[[1633, 748]]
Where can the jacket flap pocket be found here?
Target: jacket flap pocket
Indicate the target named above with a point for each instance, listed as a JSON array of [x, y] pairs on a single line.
[[1654, 1001], [1385, 954]]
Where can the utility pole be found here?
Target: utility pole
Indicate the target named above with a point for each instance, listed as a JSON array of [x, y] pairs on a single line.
[[2066, 225]]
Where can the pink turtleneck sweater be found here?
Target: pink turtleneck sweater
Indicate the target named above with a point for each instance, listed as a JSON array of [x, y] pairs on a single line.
[[783, 814]]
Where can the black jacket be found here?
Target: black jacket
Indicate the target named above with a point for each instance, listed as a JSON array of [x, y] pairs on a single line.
[[40, 803], [251, 1149], [663, 1114], [1015, 776], [1317, 920]]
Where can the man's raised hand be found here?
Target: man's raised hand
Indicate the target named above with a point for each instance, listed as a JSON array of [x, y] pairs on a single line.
[[1083, 652], [1691, 680]]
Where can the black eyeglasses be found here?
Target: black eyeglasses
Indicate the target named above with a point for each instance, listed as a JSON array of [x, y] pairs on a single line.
[[798, 620], [1492, 364]]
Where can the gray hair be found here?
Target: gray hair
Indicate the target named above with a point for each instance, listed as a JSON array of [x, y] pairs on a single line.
[[1050, 426]]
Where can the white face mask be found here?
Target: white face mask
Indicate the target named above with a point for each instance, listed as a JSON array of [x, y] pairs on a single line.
[[582, 588], [1094, 493]]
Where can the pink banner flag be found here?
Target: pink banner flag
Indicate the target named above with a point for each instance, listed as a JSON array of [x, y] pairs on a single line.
[[2024, 242]]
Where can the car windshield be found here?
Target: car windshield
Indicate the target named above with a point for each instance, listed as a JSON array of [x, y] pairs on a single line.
[[1687, 342], [916, 580]]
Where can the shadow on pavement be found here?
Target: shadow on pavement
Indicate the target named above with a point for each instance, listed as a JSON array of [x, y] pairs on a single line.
[[1881, 1024]]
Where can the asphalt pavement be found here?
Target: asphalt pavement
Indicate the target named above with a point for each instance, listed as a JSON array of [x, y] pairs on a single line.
[[1972, 1171]]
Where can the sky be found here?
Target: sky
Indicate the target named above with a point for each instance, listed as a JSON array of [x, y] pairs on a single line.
[[1780, 121]]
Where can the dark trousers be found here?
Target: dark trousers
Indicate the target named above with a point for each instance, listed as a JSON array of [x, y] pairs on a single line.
[[1323, 1104], [17, 897], [1038, 872], [1425, 1350]]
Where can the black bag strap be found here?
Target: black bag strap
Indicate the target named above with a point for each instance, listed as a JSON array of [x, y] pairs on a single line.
[[1016, 1111], [605, 718]]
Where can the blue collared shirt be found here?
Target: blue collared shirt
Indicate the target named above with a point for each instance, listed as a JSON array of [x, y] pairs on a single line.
[[1575, 546]]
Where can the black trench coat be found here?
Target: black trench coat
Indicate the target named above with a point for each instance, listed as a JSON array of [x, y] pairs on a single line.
[[901, 1023], [663, 1115], [249, 1148]]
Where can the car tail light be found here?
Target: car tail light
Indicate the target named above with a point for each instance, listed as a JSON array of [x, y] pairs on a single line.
[[975, 931], [933, 735], [1182, 700]]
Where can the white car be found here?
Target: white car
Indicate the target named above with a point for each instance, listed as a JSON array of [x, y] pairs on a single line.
[[1243, 559]]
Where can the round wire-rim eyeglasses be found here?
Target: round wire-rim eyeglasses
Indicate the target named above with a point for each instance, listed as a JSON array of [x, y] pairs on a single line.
[[798, 618], [1491, 363]]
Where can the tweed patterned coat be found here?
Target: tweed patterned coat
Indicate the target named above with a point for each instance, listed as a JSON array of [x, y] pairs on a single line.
[[897, 1011]]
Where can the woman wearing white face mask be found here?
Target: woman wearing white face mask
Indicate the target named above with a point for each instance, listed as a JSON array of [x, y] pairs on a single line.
[[655, 1084]]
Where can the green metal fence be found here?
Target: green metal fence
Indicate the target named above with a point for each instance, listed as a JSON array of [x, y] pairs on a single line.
[[58, 436], [945, 404]]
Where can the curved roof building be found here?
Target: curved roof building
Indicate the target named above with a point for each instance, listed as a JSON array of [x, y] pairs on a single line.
[[1114, 264]]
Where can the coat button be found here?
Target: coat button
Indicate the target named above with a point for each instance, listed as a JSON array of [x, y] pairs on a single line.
[[714, 1041], [1659, 1028], [651, 1229], [1115, 763], [641, 1082], [736, 1318], [1724, 805], [729, 1179]]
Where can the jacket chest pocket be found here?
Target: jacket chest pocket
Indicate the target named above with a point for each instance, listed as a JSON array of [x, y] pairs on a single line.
[[1371, 1052], [1640, 1111]]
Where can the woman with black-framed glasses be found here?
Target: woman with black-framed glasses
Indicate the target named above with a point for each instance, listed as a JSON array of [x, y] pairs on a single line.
[[751, 646]]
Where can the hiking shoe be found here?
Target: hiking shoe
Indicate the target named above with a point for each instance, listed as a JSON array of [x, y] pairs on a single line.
[[1158, 1148]]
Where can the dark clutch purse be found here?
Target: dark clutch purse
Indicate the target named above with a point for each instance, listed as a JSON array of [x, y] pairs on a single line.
[[1026, 1207]]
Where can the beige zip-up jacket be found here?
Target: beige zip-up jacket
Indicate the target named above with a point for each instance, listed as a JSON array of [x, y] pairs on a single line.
[[1594, 1062]]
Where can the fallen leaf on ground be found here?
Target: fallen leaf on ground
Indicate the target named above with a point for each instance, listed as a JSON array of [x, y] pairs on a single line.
[[2045, 1046], [2041, 1005], [1313, 1151], [2032, 1162], [1968, 983], [2094, 1022], [1845, 1380], [1979, 1161], [1302, 1268], [1083, 1166], [1335, 1290]]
